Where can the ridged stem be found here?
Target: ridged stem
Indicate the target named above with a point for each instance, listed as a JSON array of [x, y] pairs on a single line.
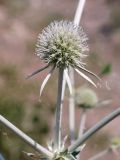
[[72, 108], [82, 123], [58, 113], [77, 19]]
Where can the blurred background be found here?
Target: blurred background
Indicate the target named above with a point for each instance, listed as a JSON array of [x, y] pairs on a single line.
[[20, 23]]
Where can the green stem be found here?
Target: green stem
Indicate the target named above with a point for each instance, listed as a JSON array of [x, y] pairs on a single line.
[[94, 129], [58, 116]]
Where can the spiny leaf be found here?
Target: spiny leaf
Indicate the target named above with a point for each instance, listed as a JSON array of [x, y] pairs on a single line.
[[36, 72], [84, 76], [46, 80], [84, 69]]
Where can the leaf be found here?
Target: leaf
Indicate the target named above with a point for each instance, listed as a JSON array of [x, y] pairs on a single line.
[[68, 81], [50, 145], [36, 72], [104, 103], [84, 76], [84, 69], [64, 142], [106, 69], [46, 80]]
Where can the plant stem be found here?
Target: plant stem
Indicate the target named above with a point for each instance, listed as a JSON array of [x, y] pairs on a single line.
[[72, 108], [100, 155], [77, 19], [79, 11], [105, 152], [82, 123], [26, 138], [94, 129], [58, 116]]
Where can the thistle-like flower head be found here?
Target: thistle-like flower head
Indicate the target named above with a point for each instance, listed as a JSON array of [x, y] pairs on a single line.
[[62, 44]]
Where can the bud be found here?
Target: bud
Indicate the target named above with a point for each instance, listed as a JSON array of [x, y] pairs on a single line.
[[85, 97]]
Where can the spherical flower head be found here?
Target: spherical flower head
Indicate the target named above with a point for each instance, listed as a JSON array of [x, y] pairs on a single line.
[[86, 97], [62, 44]]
